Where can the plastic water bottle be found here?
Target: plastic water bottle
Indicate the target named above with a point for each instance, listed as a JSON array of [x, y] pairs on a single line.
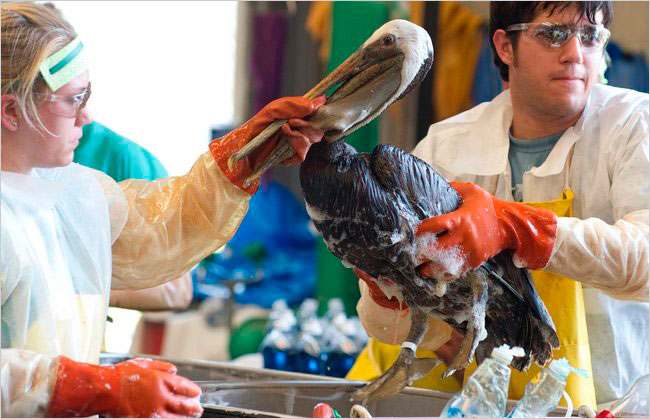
[[542, 397], [341, 353], [360, 335], [307, 310], [633, 404], [307, 355], [340, 347], [335, 306], [277, 345], [278, 309], [486, 392], [307, 347]]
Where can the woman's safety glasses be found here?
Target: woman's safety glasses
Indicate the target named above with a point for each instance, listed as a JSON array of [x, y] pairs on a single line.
[[554, 35], [68, 106]]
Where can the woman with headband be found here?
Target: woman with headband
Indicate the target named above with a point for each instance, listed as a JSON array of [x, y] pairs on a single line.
[[70, 234]]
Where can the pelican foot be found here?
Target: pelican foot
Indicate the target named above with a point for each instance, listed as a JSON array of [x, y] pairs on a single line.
[[404, 371]]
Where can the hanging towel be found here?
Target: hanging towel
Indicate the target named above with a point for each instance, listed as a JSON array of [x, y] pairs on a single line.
[[269, 38], [458, 44]]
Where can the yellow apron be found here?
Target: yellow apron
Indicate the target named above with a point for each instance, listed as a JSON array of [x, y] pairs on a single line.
[[564, 302]]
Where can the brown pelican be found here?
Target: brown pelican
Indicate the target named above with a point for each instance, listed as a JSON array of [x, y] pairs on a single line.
[[368, 206]]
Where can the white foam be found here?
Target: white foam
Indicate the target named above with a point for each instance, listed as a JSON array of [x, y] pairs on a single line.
[[396, 237], [334, 242], [390, 289], [451, 261], [482, 334], [518, 262], [440, 288]]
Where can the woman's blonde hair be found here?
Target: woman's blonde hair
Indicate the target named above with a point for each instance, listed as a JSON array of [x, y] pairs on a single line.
[[30, 33]]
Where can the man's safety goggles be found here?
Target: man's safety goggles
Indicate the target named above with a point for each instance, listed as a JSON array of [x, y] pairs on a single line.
[[554, 35], [68, 106]]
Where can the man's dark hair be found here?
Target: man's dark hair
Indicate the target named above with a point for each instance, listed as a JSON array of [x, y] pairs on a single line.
[[506, 13]]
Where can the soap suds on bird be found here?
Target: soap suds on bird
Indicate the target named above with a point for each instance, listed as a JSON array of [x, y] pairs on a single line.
[[518, 262], [390, 289], [450, 260]]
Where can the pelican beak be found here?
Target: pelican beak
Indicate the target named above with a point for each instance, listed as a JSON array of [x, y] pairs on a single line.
[[344, 71], [364, 83]]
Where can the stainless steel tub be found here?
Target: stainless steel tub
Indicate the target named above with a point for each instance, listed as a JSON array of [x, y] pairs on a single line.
[[298, 398], [235, 391]]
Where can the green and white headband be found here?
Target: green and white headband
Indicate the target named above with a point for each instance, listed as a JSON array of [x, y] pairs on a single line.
[[64, 65]]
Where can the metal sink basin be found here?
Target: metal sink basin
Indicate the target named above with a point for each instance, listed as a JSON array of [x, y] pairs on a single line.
[[235, 391], [298, 398]]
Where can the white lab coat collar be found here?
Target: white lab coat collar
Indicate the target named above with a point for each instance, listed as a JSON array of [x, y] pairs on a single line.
[[489, 139], [22, 188]]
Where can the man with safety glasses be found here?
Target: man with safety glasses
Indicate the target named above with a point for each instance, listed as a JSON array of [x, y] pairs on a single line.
[[576, 152]]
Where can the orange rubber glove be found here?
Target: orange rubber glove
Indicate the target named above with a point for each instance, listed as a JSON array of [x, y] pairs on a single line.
[[134, 388], [300, 133], [483, 226]]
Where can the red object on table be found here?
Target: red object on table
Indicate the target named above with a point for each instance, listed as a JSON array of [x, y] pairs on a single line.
[[322, 410]]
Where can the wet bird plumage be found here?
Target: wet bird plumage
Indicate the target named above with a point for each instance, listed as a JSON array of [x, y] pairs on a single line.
[[368, 205]]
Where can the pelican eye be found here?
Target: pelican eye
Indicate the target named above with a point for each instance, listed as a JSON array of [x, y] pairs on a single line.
[[388, 40]]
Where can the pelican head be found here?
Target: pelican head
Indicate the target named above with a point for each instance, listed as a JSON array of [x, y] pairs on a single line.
[[384, 69], [394, 60]]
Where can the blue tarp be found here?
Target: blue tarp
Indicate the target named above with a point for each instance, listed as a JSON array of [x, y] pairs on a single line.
[[627, 70], [273, 240]]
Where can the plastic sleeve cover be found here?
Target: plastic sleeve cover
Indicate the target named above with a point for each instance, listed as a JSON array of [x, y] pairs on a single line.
[[172, 295], [27, 382], [175, 222], [612, 258]]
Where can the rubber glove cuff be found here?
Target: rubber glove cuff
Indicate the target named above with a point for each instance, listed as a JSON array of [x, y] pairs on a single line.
[[531, 232], [299, 133], [484, 226], [78, 392], [133, 388]]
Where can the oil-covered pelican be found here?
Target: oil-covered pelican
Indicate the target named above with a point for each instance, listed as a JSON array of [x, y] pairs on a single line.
[[368, 206]]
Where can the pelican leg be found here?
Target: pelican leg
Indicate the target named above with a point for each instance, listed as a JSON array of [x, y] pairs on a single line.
[[406, 369], [255, 142], [475, 326]]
